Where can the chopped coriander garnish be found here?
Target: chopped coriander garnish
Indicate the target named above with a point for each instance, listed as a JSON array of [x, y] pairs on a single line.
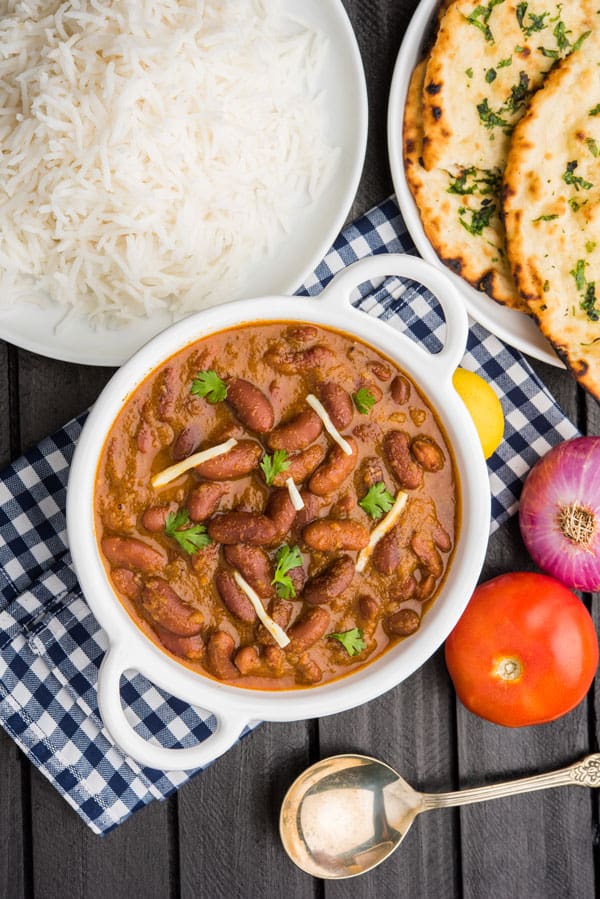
[[210, 386], [378, 501], [545, 218], [273, 465], [576, 204], [579, 273], [590, 246], [587, 290], [469, 72], [363, 400], [504, 63], [595, 111], [480, 218], [570, 178], [287, 558], [490, 75], [481, 16], [353, 640], [580, 41], [190, 537], [592, 146], [491, 119], [475, 181], [536, 22], [546, 286]]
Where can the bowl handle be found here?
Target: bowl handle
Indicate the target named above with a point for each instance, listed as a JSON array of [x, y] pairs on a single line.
[[229, 728], [457, 323]]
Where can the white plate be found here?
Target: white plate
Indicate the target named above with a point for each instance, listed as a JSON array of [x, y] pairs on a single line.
[[343, 81], [514, 328]]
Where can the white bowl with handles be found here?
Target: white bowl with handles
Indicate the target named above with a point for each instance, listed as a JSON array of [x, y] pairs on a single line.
[[235, 707]]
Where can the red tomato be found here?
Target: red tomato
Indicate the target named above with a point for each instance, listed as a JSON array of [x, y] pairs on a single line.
[[524, 652]]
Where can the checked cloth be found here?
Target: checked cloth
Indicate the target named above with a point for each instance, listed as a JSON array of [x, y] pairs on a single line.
[[50, 644]]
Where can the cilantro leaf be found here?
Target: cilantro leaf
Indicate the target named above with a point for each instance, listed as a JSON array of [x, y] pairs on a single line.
[[480, 218], [287, 558], [210, 386], [273, 465], [377, 501], [570, 178], [595, 110], [352, 640], [545, 218], [363, 400], [190, 537]]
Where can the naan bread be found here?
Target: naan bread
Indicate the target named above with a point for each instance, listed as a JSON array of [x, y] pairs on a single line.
[[487, 60], [459, 209], [552, 211]]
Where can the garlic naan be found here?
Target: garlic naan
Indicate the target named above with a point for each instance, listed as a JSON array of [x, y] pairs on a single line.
[[459, 209], [487, 60], [552, 210]]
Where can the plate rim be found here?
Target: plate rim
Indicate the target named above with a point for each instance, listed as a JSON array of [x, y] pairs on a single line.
[[497, 319], [104, 353]]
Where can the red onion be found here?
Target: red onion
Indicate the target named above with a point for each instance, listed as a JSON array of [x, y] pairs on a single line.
[[559, 513]]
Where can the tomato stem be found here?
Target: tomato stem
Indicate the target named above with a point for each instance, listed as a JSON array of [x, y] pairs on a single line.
[[508, 669], [577, 524]]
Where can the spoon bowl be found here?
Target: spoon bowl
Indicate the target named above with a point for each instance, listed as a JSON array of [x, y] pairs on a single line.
[[346, 814]]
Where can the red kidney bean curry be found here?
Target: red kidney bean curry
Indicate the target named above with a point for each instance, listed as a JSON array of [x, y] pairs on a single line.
[[311, 539]]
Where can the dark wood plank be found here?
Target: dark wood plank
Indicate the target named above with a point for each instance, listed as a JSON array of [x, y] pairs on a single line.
[[412, 729], [71, 862], [518, 845], [13, 825], [229, 818]]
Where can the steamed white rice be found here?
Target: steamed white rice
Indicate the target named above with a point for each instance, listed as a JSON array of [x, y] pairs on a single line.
[[151, 149]]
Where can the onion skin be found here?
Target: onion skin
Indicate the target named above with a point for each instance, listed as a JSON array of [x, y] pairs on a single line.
[[567, 476]]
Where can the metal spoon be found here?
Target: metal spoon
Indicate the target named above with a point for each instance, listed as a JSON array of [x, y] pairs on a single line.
[[347, 813]]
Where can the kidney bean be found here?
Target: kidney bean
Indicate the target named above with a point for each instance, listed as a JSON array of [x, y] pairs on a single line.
[[307, 671], [280, 510], [203, 500], [301, 465], [308, 629], [237, 463], [368, 607], [309, 512], [254, 565], [396, 445], [166, 608], [297, 433], [427, 453], [169, 387], [127, 582], [371, 472], [338, 404], [302, 333], [297, 577], [191, 648], [441, 538], [400, 389], [367, 431], [425, 550], [381, 371], [144, 438], [242, 527], [426, 587], [374, 389], [334, 470], [332, 534], [247, 660], [155, 517], [187, 442], [281, 612], [405, 589], [251, 406], [233, 597], [403, 623], [329, 583], [127, 552], [219, 652], [344, 505], [386, 554], [274, 656], [296, 362]]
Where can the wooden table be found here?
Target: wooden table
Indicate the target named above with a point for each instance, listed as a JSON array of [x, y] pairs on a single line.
[[218, 836]]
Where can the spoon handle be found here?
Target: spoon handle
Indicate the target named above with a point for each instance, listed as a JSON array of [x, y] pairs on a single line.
[[585, 773]]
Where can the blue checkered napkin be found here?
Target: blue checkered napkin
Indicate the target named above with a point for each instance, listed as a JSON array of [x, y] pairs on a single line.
[[50, 644]]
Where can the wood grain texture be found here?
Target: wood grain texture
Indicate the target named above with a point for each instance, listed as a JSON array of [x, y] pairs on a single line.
[[229, 819]]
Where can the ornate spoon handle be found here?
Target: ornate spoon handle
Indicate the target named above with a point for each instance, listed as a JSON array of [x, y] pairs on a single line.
[[585, 773]]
